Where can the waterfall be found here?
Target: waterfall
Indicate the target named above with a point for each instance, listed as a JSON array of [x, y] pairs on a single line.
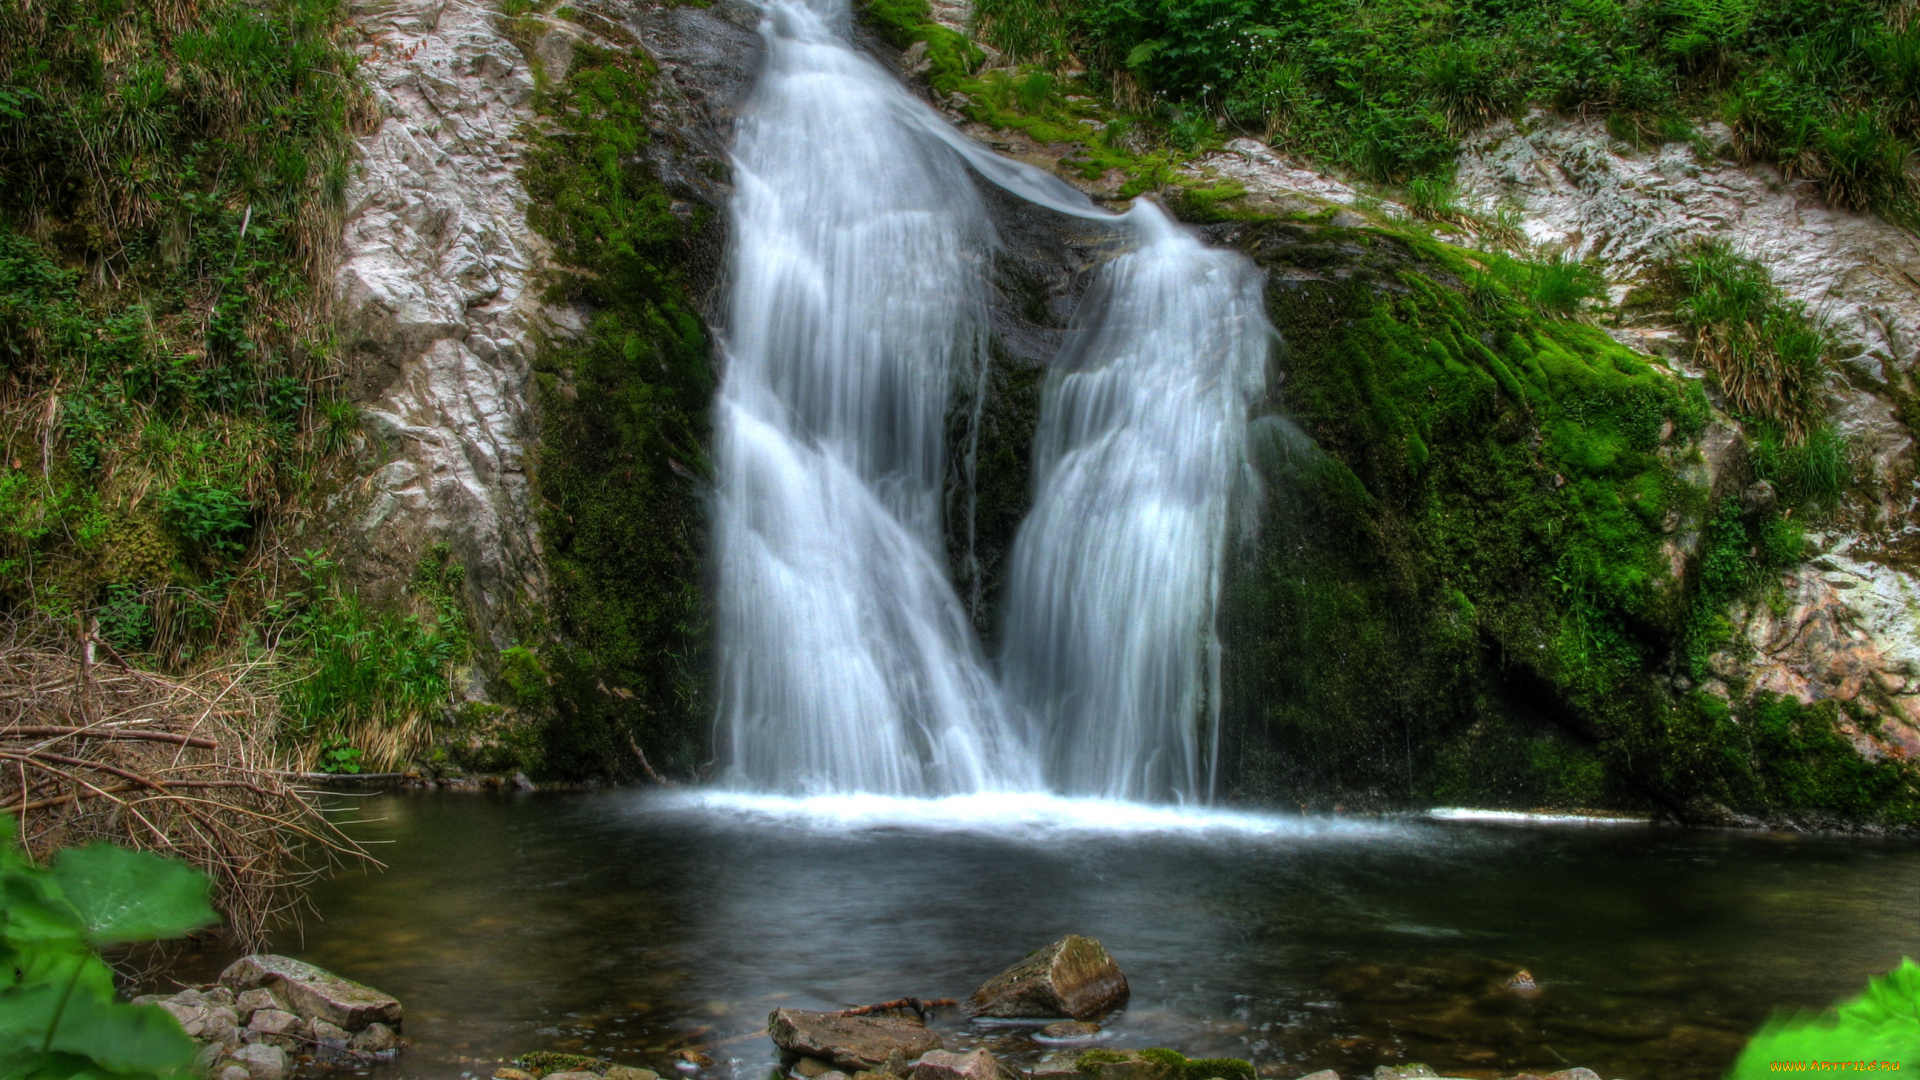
[[845, 661]]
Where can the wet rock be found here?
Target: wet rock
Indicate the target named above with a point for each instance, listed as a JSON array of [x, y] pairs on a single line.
[[506, 1073], [253, 1000], [834, 1074], [691, 1060], [235, 1072], [573, 1076], [947, 1065], [273, 1022], [810, 1068], [331, 1036], [208, 1057], [1403, 1072], [264, 1061], [851, 1042], [1323, 1074], [1074, 977], [628, 1072], [1070, 1029], [313, 992], [1128, 1065], [375, 1039], [1574, 1074]]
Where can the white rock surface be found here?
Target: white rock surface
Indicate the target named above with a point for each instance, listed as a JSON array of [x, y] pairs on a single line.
[[435, 283]]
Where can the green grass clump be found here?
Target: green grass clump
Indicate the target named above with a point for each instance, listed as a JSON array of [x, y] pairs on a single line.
[[623, 429], [1882, 1026], [1824, 90], [366, 684], [1769, 357]]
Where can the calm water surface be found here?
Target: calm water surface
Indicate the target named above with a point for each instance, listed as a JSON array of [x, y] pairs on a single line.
[[631, 925]]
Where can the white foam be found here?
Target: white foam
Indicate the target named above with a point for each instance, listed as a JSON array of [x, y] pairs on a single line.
[[1024, 816], [1520, 817]]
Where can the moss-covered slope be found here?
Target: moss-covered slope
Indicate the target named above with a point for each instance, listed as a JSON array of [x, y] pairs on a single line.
[[1487, 548]]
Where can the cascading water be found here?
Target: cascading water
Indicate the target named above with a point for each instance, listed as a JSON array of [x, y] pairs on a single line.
[[845, 660], [1116, 570]]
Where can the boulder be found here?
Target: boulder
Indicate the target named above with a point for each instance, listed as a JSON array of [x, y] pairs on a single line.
[[947, 1065], [312, 992], [1073, 977], [1323, 1074], [378, 1039], [852, 1042], [264, 1061]]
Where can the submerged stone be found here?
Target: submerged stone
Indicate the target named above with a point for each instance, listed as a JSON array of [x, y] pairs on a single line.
[[313, 992], [851, 1042], [1074, 976]]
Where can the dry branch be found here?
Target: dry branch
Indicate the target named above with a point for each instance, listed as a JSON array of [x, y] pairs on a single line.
[[186, 765]]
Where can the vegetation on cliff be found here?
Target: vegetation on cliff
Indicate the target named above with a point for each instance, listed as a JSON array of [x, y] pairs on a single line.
[[622, 407], [1491, 568], [171, 187], [1823, 90]]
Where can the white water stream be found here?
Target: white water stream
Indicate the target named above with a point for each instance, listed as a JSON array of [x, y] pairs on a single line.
[[858, 303]]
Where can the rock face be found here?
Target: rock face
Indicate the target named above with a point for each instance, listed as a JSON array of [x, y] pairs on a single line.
[[313, 993], [852, 1042], [434, 286], [1073, 977]]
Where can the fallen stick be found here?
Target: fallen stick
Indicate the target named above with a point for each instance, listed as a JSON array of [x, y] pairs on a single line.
[[108, 733]]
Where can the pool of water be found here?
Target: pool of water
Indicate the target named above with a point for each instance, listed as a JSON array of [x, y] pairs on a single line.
[[630, 925]]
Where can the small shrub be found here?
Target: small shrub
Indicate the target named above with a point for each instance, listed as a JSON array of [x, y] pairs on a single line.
[[1864, 166], [1768, 355], [1881, 1025], [210, 517], [1033, 91]]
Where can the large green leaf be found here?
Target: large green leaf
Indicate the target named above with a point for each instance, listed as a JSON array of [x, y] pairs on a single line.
[[125, 895], [125, 1038]]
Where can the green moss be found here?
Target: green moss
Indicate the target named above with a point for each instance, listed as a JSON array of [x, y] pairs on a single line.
[[1465, 588], [542, 1062], [623, 421], [1173, 1065]]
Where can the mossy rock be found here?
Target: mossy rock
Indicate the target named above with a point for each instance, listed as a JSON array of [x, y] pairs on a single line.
[[543, 1062]]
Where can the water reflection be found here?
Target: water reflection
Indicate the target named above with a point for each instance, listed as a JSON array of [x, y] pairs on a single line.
[[631, 926]]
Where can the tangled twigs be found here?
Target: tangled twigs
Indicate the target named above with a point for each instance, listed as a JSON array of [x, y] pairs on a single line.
[[186, 765]]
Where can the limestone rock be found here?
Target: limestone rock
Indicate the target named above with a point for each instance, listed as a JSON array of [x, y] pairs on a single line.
[[436, 288], [273, 1022], [264, 1061], [628, 1072], [947, 1065], [235, 1072], [248, 1003], [312, 992], [852, 1042], [1574, 1074], [1073, 977], [574, 1075], [376, 1039], [331, 1036], [810, 1068]]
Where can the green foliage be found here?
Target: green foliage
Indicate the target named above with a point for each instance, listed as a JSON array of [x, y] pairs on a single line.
[[58, 1017], [623, 422], [1882, 1025], [1770, 358], [365, 681], [171, 180], [1824, 90], [542, 1062]]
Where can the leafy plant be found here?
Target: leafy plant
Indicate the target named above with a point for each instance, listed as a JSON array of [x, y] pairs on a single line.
[[338, 756], [58, 1016], [1768, 355], [209, 516], [1881, 1025]]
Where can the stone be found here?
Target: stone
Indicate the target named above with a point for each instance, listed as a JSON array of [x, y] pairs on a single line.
[[1323, 1074], [577, 1074], [235, 1072], [274, 1022], [219, 997], [851, 1042], [207, 1061], [264, 1061], [947, 1065], [331, 1036], [1403, 1072], [376, 1038], [246, 1004], [1574, 1074], [313, 992], [192, 1016], [1070, 1029], [1073, 977], [691, 1060], [628, 1072], [505, 1072], [810, 1068], [836, 1074]]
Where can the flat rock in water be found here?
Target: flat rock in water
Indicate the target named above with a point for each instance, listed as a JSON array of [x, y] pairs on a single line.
[[1074, 977], [1323, 1074], [947, 1065], [851, 1042], [312, 992]]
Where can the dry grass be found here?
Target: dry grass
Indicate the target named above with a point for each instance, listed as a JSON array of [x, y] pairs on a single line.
[[92, 748]]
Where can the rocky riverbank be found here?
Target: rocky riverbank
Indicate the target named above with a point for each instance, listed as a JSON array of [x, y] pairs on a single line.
[[268, 1015]]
